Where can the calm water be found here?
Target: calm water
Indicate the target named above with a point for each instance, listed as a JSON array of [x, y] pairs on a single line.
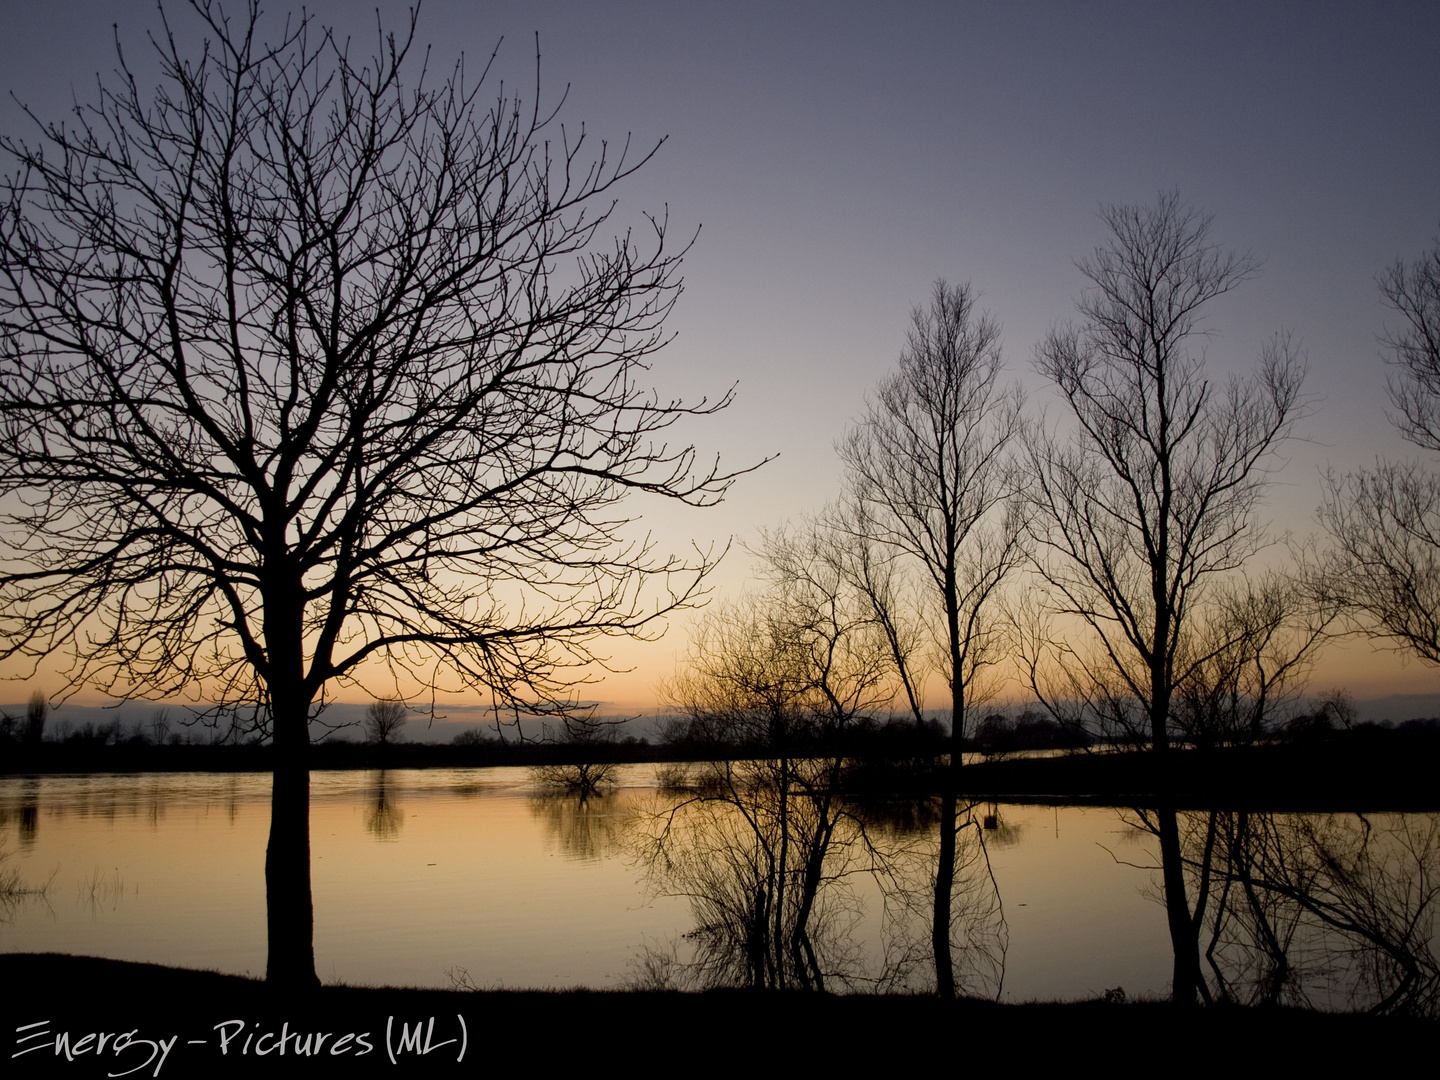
[[419, 875]]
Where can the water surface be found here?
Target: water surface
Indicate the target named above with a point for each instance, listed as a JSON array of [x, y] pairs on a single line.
[[425, 876]]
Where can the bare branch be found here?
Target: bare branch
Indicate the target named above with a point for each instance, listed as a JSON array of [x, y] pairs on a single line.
[[1385, 522]]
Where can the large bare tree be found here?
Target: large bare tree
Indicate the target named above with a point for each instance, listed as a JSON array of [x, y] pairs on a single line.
[[1153, 498], [932, 480], [1386, 521], [316, 370]]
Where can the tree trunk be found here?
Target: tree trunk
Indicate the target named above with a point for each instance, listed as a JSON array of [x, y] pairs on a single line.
[[944, 886], [777, 934], [949, 798], [802, 949], [290, 913], [1184, 934]]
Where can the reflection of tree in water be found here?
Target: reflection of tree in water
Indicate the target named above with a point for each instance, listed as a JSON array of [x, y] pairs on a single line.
[[102, 892], [979, 936], [763, 848], [763, 851], [772, 860], [1318, 909], [897, 817], [15, 891], [586, 827], [385, 819], [999, 832], [28, 815]]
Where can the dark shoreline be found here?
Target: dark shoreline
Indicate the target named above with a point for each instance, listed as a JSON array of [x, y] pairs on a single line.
[[1345, 772], [704, 1032]]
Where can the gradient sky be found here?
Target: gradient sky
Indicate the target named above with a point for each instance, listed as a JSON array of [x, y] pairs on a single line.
[[838, 157]]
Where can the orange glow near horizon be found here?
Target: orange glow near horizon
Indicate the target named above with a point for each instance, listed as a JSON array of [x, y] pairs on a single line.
[[1364, 670]]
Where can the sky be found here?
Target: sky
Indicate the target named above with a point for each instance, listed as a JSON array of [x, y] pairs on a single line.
[[836, 158]]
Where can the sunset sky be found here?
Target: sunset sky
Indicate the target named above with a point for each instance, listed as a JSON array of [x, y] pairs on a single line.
[[837, 158]]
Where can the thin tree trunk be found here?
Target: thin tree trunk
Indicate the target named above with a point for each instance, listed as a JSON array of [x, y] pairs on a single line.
[[1184, 934], [949, 799], [944, 886], [807, 965], [777, 935]]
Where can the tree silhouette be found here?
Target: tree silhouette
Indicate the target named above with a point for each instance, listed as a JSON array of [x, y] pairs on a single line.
[[384, 720], [931, 478], [1153, 499], [1321, 905], [762, 845], [37, 710], [592, 739], [1386, 521], [316, 372], [1256, 646]]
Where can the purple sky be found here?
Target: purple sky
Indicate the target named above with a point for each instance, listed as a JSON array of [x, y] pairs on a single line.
[[838, 157]]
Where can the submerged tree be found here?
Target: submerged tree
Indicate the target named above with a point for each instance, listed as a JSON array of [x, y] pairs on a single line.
[[1153, 499], [316, 372], [762, 845], [589, 741], [1253, 652], [932, 480]]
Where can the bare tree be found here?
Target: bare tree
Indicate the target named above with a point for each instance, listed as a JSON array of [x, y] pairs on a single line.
[[1245, 661], [803, 658], [1386, 521], [589, 740], [384, 720], [930, 470], [159, 726], [314, 372], [1256, 646], [37, 710], [783, 673], [1154, 497]]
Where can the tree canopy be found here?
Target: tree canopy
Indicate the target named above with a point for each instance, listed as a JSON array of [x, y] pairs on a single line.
[[309, 361]]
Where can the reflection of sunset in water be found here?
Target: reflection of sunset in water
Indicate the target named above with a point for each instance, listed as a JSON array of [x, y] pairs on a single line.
[[471, 876], [417, 872]]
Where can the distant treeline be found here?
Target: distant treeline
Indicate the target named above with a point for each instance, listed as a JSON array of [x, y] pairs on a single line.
[[898, 754]]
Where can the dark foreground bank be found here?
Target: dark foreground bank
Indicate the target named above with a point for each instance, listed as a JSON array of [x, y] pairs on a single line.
[[71, 1016]]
